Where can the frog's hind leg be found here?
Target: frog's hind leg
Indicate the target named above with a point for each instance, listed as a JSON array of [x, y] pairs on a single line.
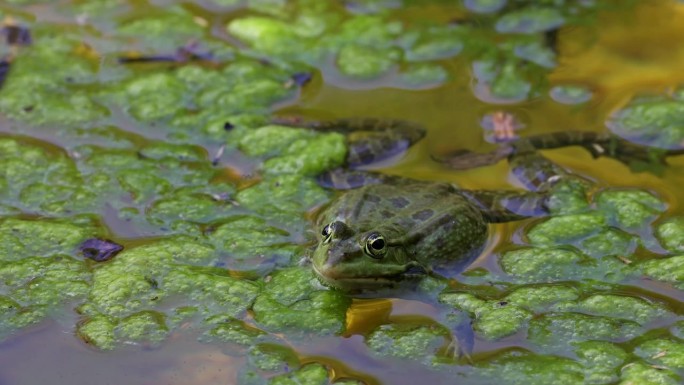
[[608, 145], [369, 140], [506, 206], [378, 140], [345, 179], [533, 170]]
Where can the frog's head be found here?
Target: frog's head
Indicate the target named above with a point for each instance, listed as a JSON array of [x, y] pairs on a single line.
[[358, 260]]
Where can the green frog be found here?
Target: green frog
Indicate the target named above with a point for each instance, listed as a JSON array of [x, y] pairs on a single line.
[[386, 230]]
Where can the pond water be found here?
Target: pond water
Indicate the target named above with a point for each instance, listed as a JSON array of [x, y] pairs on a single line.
[[172, 160]]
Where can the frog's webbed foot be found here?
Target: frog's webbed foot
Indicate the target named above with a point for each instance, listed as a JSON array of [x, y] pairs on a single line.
[[304, 261], [456, 352], [462, 341], [637, 156]]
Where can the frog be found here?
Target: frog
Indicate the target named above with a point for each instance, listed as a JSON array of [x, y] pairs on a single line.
[[383, 231]]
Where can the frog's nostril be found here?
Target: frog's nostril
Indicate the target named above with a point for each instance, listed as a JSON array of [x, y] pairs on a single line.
[[340, 230]]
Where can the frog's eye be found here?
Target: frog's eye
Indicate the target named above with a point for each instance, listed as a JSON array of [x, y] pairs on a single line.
[[327, 231], [375, 245]]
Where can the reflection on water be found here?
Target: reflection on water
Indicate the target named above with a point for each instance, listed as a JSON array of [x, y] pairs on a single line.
[[49, 353]]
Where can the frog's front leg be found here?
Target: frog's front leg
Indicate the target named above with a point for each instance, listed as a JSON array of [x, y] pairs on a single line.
[[537, 173], [462, 341]]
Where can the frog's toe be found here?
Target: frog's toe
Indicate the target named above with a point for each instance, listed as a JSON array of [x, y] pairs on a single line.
[[456, 351], [462, 342], [629, 153]]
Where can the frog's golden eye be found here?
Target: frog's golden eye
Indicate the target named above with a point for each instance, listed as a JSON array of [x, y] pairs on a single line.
[[375, 245]]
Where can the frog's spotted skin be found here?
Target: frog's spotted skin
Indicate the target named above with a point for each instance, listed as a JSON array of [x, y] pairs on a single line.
[[381, 234]]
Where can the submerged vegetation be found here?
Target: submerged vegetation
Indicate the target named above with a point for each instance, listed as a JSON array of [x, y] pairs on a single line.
[[152, 125]]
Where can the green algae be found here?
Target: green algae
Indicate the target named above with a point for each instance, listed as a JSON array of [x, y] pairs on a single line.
[[274, 364], [501, 322], [570, 94], [34, 288], [464, 301], [629, 209], [43, 97], [669, 270], [226, 329], [502, 80], [144, 326], [554, 314], [307, 374], [25, 238], [569, 196], [543, 265], [154, 27], [283, 197], [407, 341], [609, 241], [371, 43], [242, 87], [271, 357], [39, 180], [664, 352], [541, 297], [294, 150], [616, 307], [129, 299], [671, 234], [555, 330], [249, 237], [655, 120], [565, 229], [433, 43], [609, 227], [601, 361], [186, 205], [641, 373], [530, 20], [424, 75], [291, 302], [98, 331], [365, 62], [526, 368]]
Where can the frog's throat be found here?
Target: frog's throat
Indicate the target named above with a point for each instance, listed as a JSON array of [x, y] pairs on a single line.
[[412, 272]]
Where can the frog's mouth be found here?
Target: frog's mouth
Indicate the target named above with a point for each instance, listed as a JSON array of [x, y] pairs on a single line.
[[339, 281]]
